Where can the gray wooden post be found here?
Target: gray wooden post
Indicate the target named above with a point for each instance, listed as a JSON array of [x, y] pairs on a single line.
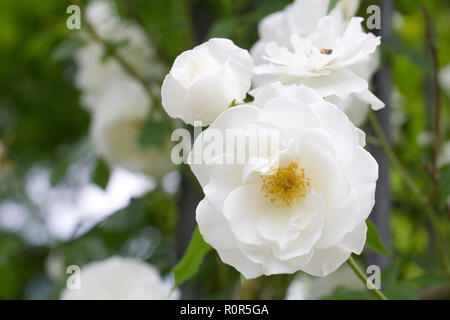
[[383, 87]]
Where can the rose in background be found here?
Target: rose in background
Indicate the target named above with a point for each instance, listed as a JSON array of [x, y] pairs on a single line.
[[116, 125], [96, 69], [119, 278], [118, 103]]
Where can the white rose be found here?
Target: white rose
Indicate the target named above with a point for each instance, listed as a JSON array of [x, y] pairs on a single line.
[[204, 81], [324, 60], [119, 278], [115, 127], [306, 214], [300, 18]]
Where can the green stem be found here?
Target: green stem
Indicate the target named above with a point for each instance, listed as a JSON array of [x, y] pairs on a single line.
[[362, 276]]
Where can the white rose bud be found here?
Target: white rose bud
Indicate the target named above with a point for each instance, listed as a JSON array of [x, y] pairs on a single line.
[[204, 81], [119, 278]]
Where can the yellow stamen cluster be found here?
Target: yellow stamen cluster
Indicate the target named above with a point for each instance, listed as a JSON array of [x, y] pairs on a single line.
[[286, 184]]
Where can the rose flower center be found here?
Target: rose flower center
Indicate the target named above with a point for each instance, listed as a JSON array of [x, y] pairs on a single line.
[[286, 185]]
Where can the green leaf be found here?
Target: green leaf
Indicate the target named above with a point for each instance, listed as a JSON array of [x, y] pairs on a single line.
[[444, 183], [153, 134], [192, 258], [332, 5], [374, 239], [101, 174]]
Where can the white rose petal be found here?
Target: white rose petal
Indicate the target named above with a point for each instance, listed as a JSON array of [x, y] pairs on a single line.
[[348, 7]]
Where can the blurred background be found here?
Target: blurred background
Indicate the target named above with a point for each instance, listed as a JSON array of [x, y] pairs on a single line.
[[67, 197]]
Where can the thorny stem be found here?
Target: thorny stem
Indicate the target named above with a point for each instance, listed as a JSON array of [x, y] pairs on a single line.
[[362, 276]]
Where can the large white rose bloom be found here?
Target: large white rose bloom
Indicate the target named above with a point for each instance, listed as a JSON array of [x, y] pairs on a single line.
[[119, 278], [116, 125], [301, 206], [204, 81], [304, 287]]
